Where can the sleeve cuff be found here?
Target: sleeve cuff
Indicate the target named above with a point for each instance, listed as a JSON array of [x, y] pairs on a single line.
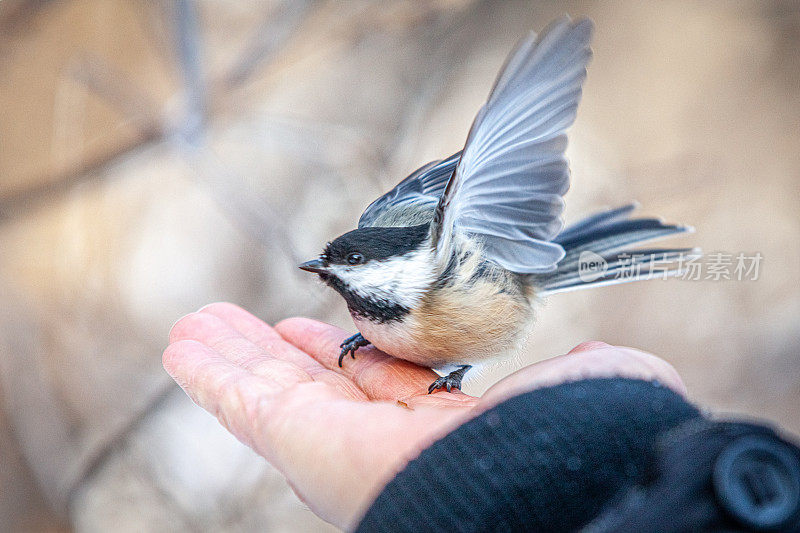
[[575, 444]]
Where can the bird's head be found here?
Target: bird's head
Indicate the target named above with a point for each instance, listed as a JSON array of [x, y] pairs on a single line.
[[378, 267]]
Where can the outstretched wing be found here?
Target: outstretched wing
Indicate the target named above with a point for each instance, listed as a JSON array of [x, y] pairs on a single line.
[[508, 186], [423, 187]]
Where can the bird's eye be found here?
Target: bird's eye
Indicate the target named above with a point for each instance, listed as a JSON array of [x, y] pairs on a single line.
[[355, 258]]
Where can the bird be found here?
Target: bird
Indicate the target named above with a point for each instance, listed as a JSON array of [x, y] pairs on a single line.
[[445, 270]]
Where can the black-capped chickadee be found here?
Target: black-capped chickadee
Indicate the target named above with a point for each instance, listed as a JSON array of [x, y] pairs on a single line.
[[444, 269]]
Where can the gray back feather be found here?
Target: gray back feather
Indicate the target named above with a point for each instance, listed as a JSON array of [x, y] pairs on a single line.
[[414, 199], [508, 186]]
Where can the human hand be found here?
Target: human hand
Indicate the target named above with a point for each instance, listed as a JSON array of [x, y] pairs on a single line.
[[340, 434]]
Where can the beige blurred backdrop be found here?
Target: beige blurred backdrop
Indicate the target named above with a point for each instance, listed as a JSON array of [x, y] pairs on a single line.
[[149, 166]]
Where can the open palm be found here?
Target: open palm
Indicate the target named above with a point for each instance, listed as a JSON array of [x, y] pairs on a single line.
[[339, 434]]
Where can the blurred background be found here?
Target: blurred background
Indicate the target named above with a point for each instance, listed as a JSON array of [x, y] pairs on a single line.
[[156, 156]]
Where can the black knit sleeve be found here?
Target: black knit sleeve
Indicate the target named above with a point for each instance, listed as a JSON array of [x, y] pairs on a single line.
[[599, 456], [547, 460]]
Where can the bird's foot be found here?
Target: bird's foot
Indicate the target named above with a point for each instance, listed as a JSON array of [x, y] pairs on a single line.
[[350, 345], [450, 381]]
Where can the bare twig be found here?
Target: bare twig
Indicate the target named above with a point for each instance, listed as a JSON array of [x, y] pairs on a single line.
[[54, 186], [270, 36], [189, 46], [134, 104]]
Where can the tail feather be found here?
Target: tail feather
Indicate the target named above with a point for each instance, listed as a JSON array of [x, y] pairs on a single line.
[[605, 244], [620, 230], [638, 266], [599, 252], [595, 222]]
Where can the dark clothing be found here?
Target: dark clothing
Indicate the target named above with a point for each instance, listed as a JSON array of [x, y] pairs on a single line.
[[600, 455]]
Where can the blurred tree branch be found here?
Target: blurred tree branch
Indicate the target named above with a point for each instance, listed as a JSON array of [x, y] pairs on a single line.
[[271, 39]]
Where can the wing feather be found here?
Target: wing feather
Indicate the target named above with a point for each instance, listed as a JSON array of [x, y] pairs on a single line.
[[423, 186], [508, 185]]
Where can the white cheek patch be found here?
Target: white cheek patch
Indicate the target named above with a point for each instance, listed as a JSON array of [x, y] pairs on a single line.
[[398, 280]]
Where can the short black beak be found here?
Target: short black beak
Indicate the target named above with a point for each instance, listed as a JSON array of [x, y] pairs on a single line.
[[315, 265]]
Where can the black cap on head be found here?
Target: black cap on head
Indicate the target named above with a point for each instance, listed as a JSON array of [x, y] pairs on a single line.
[[371, 244]]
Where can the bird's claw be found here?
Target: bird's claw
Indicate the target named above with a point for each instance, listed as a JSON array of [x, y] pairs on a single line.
[[350, 345], [445, 382], [450, 381]]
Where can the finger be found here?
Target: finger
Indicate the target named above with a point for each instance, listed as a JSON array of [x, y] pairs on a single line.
[[595, 359], [261, 342], [230, 344], [220, 387], [261, 335], [455, 399], [604, 360], [586, 361], [379, 375], [588, 346], [245, 323], [265, 337], [661, 370]]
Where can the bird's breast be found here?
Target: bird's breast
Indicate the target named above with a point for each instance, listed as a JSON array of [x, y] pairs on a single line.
[[459, 323]]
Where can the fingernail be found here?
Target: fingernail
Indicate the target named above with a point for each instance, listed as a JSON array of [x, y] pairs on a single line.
[[588, 346]]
